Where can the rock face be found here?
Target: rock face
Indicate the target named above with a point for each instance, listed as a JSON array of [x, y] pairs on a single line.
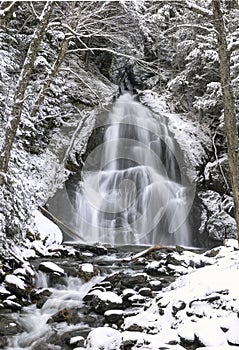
[[217, 220]]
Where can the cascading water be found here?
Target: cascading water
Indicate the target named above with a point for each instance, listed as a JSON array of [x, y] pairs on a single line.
[[133, 195], [34, 321]]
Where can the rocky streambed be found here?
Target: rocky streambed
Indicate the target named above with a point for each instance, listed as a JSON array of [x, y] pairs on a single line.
[[97, 297]]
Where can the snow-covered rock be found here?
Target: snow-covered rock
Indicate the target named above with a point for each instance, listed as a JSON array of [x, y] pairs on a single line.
[[49, 266], [49, 232], [104, 338]]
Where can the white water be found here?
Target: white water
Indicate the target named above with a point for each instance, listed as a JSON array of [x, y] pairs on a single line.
[[34, 320], [133, 197]]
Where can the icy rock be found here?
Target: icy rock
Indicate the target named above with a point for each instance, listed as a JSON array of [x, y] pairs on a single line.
[[49, 266], [87, 271], [49, 232], [104, 338]]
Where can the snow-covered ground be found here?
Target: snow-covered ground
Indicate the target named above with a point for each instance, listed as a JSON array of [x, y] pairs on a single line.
[[199, 310]]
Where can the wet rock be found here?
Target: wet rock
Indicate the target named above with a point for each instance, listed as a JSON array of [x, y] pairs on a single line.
[[65, 315], [8, 327], [3, 342], [87, 271], [56, 280], [40, 297]]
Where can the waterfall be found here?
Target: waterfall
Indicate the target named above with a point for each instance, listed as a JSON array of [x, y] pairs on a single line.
[[130, 191]]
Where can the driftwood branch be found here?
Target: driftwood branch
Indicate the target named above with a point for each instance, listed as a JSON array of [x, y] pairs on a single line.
[[57, 221]]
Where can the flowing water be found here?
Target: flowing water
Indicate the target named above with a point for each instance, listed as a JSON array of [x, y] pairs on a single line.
[[131, 191], [34, 321]]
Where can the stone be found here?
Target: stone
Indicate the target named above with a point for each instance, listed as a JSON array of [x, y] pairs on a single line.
[[87, 271], [50, 267], [65, 315], [103, 301], [114, 316]]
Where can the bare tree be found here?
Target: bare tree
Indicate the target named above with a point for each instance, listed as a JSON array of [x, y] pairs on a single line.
[[21, 88]]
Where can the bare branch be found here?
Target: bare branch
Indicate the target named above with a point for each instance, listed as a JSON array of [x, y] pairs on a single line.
[[4, 11], [77, 75]]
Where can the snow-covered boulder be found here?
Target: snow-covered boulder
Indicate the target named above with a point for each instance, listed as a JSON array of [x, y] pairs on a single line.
[[104, 338], [49, 232]]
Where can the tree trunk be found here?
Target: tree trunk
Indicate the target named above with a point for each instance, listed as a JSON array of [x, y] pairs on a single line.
[[229, 105], [21, 88], [56, 66]]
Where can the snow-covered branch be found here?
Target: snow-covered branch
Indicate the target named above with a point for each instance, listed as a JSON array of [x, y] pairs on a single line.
[[4, 11], [191, 6], [189, 26], [198, 9], [233, 46]]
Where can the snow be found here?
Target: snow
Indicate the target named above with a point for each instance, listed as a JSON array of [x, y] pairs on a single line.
[[49, 232], [104, 338], [76, 339], [209, 333], [18, 282], [107, 296], [89, 268], [201, 304], [53, 267]]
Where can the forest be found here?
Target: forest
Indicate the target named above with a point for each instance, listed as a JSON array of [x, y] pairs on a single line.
[[119, 174]]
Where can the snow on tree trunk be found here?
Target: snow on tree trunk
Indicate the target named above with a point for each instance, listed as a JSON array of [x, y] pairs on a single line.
[[228, 104], [21, 88]]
